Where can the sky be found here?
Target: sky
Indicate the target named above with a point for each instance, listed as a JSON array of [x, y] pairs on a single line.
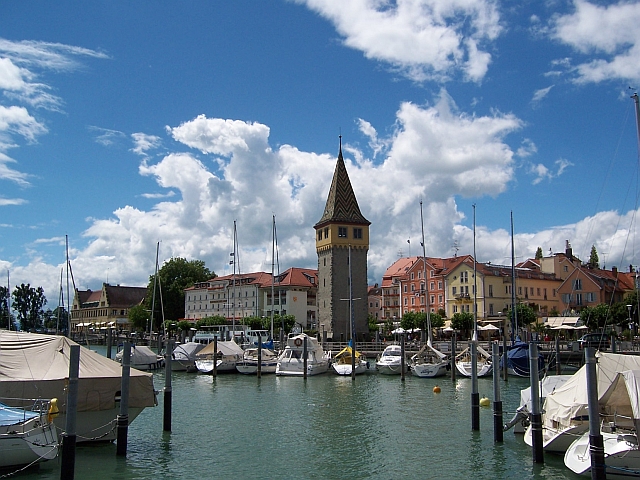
[[128, 125]]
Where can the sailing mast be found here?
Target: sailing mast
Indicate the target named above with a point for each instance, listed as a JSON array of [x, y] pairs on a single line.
[[475, 281], [273, 260], [8, 301], [234, 255], [424, 276], [153, 297], [514, 313]]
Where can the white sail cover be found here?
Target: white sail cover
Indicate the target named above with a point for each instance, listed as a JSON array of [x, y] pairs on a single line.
[[227, 348], [621, 401], [37, 366], [570, 400]]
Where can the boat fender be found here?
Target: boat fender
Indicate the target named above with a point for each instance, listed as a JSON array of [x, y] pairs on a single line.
[[298, 342], [53, 411], [436, 389], [485, 402]]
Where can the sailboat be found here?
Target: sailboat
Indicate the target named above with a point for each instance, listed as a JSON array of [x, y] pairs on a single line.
[[464, 360], [428, 362], [517, 355]]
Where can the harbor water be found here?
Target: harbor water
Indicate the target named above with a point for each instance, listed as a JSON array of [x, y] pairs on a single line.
[[326, 427]]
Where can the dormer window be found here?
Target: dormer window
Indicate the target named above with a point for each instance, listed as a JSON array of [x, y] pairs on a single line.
[[342, 232]]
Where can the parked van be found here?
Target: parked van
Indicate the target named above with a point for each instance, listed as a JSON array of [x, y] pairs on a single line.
[[601, 341]]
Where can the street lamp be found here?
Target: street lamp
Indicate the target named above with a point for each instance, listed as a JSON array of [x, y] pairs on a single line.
[[631, 325]]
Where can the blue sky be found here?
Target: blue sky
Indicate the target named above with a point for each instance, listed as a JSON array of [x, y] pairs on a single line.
[[123, 124]]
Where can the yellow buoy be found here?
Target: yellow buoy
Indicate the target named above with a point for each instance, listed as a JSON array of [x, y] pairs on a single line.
[[53, 411], [436, 389], [485, 402]]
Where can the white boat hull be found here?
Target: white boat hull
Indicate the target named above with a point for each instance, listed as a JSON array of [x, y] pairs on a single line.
[[295, 367], [345, 368], [622, 457], [466, 368], [206, 366], [250, 368], [557, 441], [391, 368], [27, 443], [429, 370]]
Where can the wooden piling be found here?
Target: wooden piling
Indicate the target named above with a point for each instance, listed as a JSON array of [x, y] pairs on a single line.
[[536, 415], [596, 443], [304, 357], [475, 395], [123, 416], [498, 428], [166, 423]]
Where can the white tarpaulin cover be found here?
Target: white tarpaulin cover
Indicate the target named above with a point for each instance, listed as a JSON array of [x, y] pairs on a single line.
[[570, 400], [227, 348], [37, 366], [621, 400]]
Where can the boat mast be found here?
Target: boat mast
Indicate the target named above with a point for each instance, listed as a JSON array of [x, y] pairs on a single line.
[[475, 282], [66, 241], [233, 312], [514, 313], [424, 276], [8, 301], [153, 297], [273, 261]]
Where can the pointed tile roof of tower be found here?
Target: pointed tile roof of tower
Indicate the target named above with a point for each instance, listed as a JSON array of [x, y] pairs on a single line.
[[342, 205]]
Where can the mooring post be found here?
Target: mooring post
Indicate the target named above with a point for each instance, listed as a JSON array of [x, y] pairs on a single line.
[[304, 357], [214, 372], [67, 470], [109, 341], [123, 416], [536, 415], [453, 357], [353, 359], [402, 357], [166, 423], [498, 428], [259, 372], [596, 444], [475, 395]]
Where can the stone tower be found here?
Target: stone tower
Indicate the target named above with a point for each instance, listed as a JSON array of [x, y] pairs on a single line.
[[342, 234]]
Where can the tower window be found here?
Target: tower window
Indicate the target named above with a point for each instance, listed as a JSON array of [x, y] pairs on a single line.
[[357, 233], [326, 233], [319, 234], [342, 232]]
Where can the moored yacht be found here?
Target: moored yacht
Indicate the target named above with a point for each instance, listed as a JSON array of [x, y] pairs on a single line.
[[342, 362], [390, 361], [291, 360]]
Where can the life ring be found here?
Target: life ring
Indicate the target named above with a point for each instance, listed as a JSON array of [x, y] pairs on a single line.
[[298, 342]]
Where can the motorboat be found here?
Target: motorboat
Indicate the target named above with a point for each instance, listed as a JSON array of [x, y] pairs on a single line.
[[37, 366], [183, 357], [342, 362], [249, 363], [228, 355], [142, 358], [464, 363], [565, 413], [291, 361], [620, 415], [429, 362], [27, 437], [390, 361], [520, 420]]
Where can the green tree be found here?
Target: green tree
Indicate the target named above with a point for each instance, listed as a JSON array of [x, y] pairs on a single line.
[[28, 303], [214, 320], [597, 317], [526, 314], [139, 318], [175, 275], [5, 314], [255, 323], [462, 321], [373, 325], [437, 321], [409, 321], [594, 261], [278, 320], [539, 254]]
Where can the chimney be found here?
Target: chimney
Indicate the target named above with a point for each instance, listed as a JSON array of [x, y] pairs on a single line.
[[631, 269], [568, 251], [614, 270]]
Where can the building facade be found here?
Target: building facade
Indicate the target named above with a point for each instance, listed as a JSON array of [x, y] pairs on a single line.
[[106, 307]]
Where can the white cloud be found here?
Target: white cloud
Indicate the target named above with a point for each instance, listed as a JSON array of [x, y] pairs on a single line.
[[423, 39], [609, 32], [144, 143], [107, 137], [541, 172], [11, 201], [527, 148], [8, 173], [538, 95]]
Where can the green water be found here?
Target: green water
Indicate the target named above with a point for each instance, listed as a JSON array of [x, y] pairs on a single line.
[[327, 427]]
